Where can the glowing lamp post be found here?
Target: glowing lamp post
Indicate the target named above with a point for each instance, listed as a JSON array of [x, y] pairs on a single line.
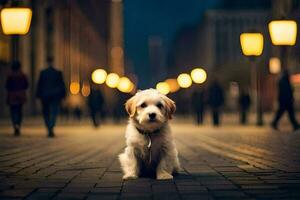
[[184, 80], [274, 65], [252, 45], [173, 85], [125, 85], [112, 80], [283, 33], [163, 87], [198, 75], [15, 21], [99, 76]]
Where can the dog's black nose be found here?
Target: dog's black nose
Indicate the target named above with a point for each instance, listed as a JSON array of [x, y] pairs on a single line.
[[152, 115]]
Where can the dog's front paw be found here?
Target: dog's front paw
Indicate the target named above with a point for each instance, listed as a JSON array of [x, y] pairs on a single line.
[[164, 176], [129, 176]]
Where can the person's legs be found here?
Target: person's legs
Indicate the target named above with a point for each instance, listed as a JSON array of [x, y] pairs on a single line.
[[243, 116], [15, 118], [53, 112], [292, 117], [46, 113], [216, 120], [94, 117], [278, 115]]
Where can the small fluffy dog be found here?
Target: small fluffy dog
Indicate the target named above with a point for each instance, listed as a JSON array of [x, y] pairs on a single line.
[[150, 150]]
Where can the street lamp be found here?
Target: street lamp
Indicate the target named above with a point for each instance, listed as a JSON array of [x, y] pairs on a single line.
[[125, 85], [252, 46], [283, 33], [15, 21], [274, 65], [163, 87], [99, 76], [173, 84], [184, 80], [112, 80], [198, 75]]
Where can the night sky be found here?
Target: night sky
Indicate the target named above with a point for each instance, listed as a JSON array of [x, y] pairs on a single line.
[[144, 18]]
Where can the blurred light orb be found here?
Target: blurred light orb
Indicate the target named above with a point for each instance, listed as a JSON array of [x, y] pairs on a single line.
[[163, 87], [74, 87], [173, 85], [99, 76], [184, 80], [85, 90], [16, 21], [112, 80], [274, 65], [283, 32], [252, 44], [199, 75], [125, 85]]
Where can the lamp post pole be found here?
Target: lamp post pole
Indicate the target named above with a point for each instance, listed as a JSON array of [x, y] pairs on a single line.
[[257, 94], [14, 41], [284, 57]]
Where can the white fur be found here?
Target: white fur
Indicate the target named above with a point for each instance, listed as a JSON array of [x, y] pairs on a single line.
[[163, 148]]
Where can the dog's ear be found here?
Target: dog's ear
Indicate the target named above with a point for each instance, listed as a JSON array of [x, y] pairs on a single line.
[[170, 106], [130, 106]]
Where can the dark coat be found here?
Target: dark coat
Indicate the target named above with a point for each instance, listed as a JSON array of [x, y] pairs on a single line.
[[51, 86], [215, 95], [198, 100], [244, 101], [285, 90], [16, 85], [96, 100]]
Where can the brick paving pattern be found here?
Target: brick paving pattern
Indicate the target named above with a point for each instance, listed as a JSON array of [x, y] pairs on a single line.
[[229, 162]]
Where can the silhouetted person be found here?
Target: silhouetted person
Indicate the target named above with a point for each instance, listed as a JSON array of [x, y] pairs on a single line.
[[215, 100], [244, 103], [95, 103], [285, 100], [16, 86], [51, 90], [198, 103]]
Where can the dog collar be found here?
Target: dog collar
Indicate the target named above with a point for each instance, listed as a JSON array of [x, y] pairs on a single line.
[[143, 132]]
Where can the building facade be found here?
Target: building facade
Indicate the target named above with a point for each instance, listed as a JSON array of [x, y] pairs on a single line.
[[74, 32]]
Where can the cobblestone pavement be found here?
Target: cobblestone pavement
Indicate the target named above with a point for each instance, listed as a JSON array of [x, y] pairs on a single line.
[[230, 162]]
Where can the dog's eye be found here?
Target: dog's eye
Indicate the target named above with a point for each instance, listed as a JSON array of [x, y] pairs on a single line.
[[143, 105], [159, 105]]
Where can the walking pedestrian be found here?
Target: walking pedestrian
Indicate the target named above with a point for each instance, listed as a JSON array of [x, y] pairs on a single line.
[[50, 90], [215, 100], [16, 86], [198, 104], [244, 103], [285, 101], [95, 103]]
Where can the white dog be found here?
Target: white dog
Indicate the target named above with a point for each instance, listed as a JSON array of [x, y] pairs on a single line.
[[150, 149]]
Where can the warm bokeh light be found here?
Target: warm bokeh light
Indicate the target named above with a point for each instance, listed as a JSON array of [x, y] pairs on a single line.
[[15, 21], [199, 75], [125, 85], [99, 76], [252, 44], [163, 87], [74, 87], [295, 78], [283, 32], [184, 80], [112, 80], [173, 85], [274, 65], [85, 90]]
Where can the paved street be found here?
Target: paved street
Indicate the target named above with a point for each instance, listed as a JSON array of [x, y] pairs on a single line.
[[230, 162]]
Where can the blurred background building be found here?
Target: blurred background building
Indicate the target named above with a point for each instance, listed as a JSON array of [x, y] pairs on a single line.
[[150, 41]]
